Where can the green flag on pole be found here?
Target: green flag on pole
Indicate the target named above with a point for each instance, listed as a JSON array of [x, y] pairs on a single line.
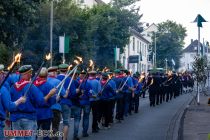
[[64, 44]]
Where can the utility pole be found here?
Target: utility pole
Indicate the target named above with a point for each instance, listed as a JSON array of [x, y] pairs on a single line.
[[51, 31]]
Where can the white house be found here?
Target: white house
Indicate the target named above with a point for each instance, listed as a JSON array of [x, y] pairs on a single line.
[[188, 55], [147, 34], [88, 3], [135, 56]]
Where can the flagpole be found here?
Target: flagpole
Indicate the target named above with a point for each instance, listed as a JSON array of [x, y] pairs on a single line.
[[64, 50], [115, 53]]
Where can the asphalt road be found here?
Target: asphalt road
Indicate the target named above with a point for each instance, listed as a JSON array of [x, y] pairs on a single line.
[[151, 123]]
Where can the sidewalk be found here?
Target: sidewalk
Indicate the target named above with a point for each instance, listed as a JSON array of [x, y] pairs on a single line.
[[196, 120]]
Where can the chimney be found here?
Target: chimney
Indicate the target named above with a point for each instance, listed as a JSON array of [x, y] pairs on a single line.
[[191, 41]]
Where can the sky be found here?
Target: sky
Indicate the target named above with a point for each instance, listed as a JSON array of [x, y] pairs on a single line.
[[182, 12]]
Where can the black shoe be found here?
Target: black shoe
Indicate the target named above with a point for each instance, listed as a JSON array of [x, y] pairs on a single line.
[[85, 135], [137, 111], [75, 138]]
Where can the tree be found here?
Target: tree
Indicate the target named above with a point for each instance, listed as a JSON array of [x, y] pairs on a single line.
[[199, 67], [4, 54], [15, 17], [169, 42], [108, 27]]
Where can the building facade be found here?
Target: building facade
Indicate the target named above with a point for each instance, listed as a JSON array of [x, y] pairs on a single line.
[[189, 53], [88, 3], [147, 34], [135, 56]]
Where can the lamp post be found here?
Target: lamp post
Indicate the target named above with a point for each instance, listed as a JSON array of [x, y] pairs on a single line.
[[199, 19], [51, 31]]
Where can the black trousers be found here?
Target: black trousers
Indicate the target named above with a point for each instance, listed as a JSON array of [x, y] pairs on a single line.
[[152, 97], [95, 112], [106, 111], [136, 102], [44, 125], [56, 122], [119, 110]]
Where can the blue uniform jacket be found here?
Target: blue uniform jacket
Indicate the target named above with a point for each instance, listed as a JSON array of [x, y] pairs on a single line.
[[72, 90], [27, 110], [5, 104], [96, 88], [45, 111], [54, 82], [13, 78], [119, 82], [128, 84], [108, 92], [87, 92]]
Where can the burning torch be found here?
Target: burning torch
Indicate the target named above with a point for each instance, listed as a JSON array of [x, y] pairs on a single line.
[[47, 58], [11, 67]]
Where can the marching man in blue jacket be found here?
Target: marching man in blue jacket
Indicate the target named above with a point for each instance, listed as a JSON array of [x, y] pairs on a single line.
[[7, 104], [84, 91], [66, 102], [44, 113], [25, 116], [106, 95], [94, 100]]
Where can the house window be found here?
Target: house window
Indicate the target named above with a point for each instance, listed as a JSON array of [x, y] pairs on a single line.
[[124, 61], [138, 46], [195, 48], [145, 50], [133, 43], [82, 1]]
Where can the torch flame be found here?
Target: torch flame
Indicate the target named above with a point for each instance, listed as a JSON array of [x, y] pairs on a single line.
[[91, 63], [17, 60], [17, 57], [107, 70], [48, 57], [109, 76], [80, 58], [76, 61], [70, 66], [104, 69]]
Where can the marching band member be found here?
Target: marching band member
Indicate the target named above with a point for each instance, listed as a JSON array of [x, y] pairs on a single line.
[[66, 102], [25, 116], [84, 91], [56, 108], [94, 100], [7, 105], [44, 113]]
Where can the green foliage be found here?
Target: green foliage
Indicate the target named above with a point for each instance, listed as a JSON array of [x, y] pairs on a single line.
[[108, 27], [94, 33], [3, 54], [199, 66], [15, 17], [169, 43]]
